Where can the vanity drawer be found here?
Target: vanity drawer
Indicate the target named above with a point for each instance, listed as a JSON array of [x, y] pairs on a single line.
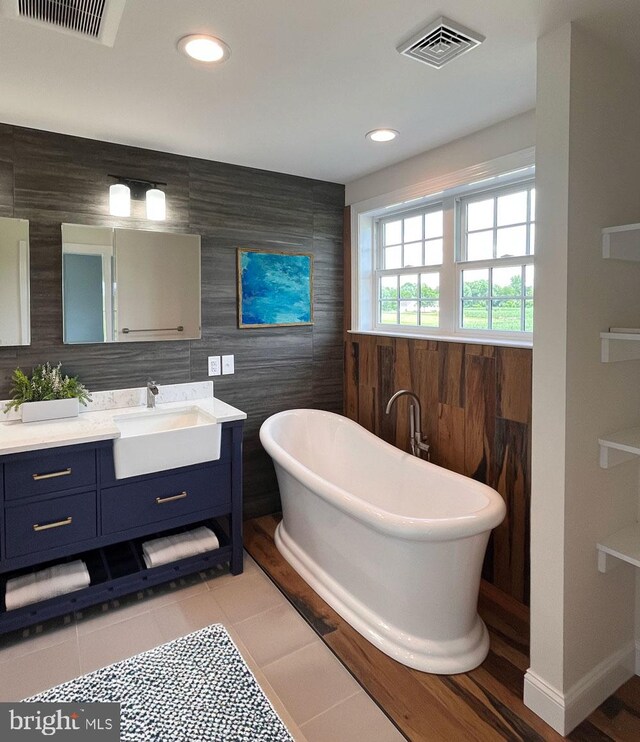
[[47, 524], [163, 498], [50, 471]]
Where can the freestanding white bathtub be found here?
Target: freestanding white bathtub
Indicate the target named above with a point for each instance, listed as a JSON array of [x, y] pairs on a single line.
[[393, 543]]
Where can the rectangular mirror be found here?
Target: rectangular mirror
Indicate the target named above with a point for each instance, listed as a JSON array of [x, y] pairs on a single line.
[[158, 285], [128, 285], [15, 315], [87, 284]]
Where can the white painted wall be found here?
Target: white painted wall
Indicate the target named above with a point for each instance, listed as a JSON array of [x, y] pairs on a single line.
[[504, 138], [587, 160], [549, 393]]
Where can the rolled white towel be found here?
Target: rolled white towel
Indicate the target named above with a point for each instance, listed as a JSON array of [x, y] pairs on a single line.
[[171, 548], [179, 546], [47, 583]]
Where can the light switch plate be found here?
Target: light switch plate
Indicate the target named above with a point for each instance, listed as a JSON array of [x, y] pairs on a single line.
[[227, 365], [214, 365]]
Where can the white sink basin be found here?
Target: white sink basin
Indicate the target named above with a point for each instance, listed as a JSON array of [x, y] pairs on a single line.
[[157, 440]]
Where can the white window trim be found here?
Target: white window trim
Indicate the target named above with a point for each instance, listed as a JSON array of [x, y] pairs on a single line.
[[363, 215]]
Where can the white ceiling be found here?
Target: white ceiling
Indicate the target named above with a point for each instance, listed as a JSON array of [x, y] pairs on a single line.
[[305, 81]]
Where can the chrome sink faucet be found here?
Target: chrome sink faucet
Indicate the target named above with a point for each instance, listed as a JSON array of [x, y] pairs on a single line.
[[418, 444], [152, 393]]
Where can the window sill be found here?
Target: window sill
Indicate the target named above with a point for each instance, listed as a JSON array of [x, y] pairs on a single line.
[[474, 339]]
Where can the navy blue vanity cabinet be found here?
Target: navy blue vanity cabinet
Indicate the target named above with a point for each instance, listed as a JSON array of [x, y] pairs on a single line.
[[46, 524], [62, 504], [50, 504], [172, 498], [52, 470]]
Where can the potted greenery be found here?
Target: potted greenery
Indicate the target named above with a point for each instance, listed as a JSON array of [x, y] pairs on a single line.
[[47, 395]]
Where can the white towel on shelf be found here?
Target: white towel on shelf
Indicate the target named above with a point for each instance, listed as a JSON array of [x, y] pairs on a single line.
[[47, 583], [180, 546]]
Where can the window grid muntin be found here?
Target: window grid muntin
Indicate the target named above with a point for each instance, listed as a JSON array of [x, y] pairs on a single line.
[[462, 204], [489, 298], [398, 300], [423, 268], [465, 263], [401, 216], [450, 284]]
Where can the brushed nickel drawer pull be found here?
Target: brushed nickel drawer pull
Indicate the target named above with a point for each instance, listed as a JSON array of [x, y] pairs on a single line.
[[58, 524], [162, 500], [52, 475]]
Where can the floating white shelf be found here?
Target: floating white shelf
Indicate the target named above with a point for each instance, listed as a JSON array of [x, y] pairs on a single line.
[[619, 346], [616, 448], [621, 243], [623, 545]]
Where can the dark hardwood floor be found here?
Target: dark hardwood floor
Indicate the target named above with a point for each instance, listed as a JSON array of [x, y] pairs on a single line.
[[484, 704]]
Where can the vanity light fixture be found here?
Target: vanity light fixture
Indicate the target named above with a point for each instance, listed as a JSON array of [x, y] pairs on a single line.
[[120, 195], [204, 48], [381, 135], [156, 205], [119, 200]]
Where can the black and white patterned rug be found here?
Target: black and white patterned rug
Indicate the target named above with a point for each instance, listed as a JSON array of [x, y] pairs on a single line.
[[194, 689]]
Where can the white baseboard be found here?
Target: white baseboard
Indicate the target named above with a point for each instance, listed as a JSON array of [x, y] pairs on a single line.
[[565, 711], [544, 700]]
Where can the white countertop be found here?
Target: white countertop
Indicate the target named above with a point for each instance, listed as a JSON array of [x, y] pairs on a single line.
[[98, 425]]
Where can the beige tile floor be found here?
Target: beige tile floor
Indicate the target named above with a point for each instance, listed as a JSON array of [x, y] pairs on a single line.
[[316, 697]]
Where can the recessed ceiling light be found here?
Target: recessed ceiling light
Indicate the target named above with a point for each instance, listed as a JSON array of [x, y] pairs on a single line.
[[204, 48], [381, 135]]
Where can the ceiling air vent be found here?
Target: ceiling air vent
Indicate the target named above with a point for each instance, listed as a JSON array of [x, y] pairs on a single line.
[[440, 42], [97, 20]]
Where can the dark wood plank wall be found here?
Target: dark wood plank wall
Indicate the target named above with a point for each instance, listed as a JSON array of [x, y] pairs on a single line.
[[49, 179], [476, 414]]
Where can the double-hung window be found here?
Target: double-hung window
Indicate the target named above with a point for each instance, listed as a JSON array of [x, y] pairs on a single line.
[[495, 267], [410, 256], [460, 264]]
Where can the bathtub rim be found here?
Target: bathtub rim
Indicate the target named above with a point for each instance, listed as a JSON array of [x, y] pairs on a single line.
[[384, 521]]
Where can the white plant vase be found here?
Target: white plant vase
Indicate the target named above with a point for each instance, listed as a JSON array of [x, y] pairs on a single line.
[[50, 409]]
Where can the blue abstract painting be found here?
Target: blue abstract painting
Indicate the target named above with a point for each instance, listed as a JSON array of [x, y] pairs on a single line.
[[274, 288]]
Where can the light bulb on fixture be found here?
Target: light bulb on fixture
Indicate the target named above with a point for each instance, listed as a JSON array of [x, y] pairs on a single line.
[[119, 200], [204, 48], [156, 205], [381, 135]]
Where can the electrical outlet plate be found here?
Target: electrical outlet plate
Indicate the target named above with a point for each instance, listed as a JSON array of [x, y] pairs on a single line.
[[214, 365], [227, 365]]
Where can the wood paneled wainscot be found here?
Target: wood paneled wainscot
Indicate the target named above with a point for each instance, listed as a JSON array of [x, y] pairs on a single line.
[[476, 414]]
